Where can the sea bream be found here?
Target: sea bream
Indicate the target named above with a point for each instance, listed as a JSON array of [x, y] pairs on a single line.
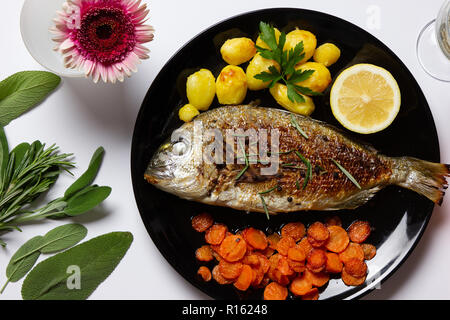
[[317, 166]]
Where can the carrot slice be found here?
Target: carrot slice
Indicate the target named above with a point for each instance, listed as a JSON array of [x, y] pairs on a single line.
[[284, 267], [284, 244], [268, 252], [369, 251], [316, 260], [233, 248], [350, 280], [297, 266], [255, 238], [304, 243], [218, 276], [275, 291], [202, 222], [353, 250], [216, 233], [300, 285], [229, 270], [355, 267], [204, 253], [204, 273], [317, 234], [251, 259], [296, 230], [334, 264], [263, 262], [333, 221], [318, 279], [359, 231], [273, 240], [245, 278], [338, 240], [296, 253], [312, 294]]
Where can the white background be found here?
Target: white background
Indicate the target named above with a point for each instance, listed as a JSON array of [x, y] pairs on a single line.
[[81, 116]]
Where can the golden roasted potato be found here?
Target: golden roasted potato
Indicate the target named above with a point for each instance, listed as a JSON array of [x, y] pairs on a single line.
[[260, 43], [327, 54], [236, 51], [188, 112], [309, 42], [279, 92], [201, 89], [231, 85], [319, 80], [257, 65]]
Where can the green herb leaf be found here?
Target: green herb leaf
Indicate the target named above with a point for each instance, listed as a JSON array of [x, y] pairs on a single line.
[[267, 34], [264, 206], [269, 190], [308, 170], [96, 260], [62, 237], [19, 154], [297, 126], [16, 270], [22, 91], [349, 176], [86, 200], [293, 95], [89, 175], [4, 153]]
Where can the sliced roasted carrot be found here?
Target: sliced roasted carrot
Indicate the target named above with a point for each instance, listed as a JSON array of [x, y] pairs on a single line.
[[268, 252], [216, 233], [277, 276], [284, 244], [297, 266], [275, 291], [233, 248], [296, 230], [251, 259], [300, 285], [229, 270], [258, 276], [273, 240], [369, 251], [296, 253], [355, 267], [333, 221], [264, 262], [202, 222], [334, 264], [204, 253], [312, 294], [338, 240], [304, 243], [284, 267], [204, 273], [218, 276], [350, 280], [316, 260], [317, 234], [255, 238], [359, 231], [353, 250], [245, 278], [318, 279]]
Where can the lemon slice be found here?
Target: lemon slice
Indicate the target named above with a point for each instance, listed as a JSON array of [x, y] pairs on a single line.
[[365, 98]]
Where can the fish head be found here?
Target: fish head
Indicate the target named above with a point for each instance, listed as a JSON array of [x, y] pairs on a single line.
[[175, 166]]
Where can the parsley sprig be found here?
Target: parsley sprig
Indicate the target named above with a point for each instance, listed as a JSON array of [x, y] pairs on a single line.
[[287, 59]]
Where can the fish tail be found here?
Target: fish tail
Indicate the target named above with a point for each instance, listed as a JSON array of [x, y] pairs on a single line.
[[426, 178]]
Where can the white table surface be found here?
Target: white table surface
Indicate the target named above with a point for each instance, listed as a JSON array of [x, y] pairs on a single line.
[[81, 116]]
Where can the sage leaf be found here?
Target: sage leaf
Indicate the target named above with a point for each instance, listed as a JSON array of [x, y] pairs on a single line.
[[16, 270], [19, 153], [63, 237], [95, 260], [89, 175], [86, 200], [22, 91]]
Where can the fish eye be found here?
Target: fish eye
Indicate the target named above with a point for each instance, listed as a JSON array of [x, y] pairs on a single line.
[[180, 148]]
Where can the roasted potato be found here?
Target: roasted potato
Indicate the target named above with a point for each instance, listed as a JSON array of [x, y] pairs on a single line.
[[260, 43], [279, 92], [327, 54], [319, 80], [201, 89], [257, 65], [231, 85], [237, 51], [309, 42], [188, 112]]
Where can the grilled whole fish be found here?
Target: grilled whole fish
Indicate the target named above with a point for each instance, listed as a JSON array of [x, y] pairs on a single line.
[[311, 161]]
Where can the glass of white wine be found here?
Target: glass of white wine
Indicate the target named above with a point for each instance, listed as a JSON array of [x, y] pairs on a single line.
[[433, 45]]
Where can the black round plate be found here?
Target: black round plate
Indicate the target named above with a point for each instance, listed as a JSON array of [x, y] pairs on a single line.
[[398, 216]]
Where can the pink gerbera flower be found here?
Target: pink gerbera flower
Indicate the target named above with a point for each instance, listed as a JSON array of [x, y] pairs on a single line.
[[103, 38]]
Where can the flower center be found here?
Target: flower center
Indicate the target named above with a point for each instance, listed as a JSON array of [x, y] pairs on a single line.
[[106, 35]]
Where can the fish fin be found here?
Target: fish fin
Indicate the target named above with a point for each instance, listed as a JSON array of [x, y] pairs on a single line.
[[358, 199], [426, 178]]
